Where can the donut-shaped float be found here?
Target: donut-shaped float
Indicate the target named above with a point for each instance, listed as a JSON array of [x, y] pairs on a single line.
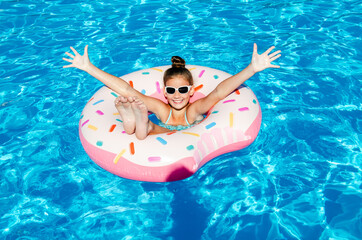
[[232, 124]]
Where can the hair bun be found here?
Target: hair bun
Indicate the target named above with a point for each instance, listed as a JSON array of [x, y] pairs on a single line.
[[178, 62]]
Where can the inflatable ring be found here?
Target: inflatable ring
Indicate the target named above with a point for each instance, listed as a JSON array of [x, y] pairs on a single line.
[[232, 124]]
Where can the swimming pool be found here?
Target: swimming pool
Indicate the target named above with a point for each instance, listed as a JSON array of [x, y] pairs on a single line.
[[300, 179]]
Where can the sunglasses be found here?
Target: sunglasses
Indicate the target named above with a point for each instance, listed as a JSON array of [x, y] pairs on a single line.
[[182, 90]]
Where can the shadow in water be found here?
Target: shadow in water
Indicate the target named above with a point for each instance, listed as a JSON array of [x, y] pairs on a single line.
[[190, 218], [179, 174]]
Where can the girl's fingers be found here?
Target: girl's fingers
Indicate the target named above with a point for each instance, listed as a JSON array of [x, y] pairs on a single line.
[[269, 50], [274, 66], [274, 53], [68, 60], [255, 49], [86, 50], [68, 66], [75, 51], [275, 57], [70, 55]]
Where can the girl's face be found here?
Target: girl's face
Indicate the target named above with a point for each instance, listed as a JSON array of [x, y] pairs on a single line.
[[178, 100]]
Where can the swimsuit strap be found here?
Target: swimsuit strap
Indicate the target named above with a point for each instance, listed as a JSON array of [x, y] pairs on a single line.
[[188, 124], [169, 116]]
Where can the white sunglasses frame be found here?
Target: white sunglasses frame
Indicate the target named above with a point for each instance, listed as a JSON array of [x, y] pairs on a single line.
[[177, 89]]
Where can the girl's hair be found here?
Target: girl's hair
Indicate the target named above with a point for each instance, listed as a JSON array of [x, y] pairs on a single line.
[[178, 69]]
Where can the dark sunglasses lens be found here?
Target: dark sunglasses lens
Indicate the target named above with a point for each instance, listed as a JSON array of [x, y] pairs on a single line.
[[170, 90], [183, 89]]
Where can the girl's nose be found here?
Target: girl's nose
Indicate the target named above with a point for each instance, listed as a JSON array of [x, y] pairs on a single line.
[[177, 94]]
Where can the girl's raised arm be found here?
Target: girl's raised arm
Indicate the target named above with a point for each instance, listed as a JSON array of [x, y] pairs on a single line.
[[117, 84], [82, 62], [258, 63]]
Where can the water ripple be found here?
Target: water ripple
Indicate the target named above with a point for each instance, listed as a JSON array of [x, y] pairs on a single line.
[[301, 178]]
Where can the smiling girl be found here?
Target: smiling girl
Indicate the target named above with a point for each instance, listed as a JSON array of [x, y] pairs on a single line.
[[179, 113]]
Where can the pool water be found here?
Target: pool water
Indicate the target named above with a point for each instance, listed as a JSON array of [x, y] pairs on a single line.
[[300, 179]]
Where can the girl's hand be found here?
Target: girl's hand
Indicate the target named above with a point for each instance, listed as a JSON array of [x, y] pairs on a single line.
[[78, 61], [263, 61]]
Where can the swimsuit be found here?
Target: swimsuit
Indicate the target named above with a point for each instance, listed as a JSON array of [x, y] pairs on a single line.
[[177, 127]]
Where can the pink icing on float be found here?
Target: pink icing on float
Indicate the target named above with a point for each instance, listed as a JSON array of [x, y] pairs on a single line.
[[232, 124]]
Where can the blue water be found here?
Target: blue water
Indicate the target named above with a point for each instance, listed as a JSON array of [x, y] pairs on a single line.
[[301, 178]]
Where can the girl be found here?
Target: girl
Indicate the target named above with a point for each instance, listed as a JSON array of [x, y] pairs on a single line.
[[179, 113]]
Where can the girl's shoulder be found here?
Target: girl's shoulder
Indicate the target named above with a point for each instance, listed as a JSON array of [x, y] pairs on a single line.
[[156, 106]]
